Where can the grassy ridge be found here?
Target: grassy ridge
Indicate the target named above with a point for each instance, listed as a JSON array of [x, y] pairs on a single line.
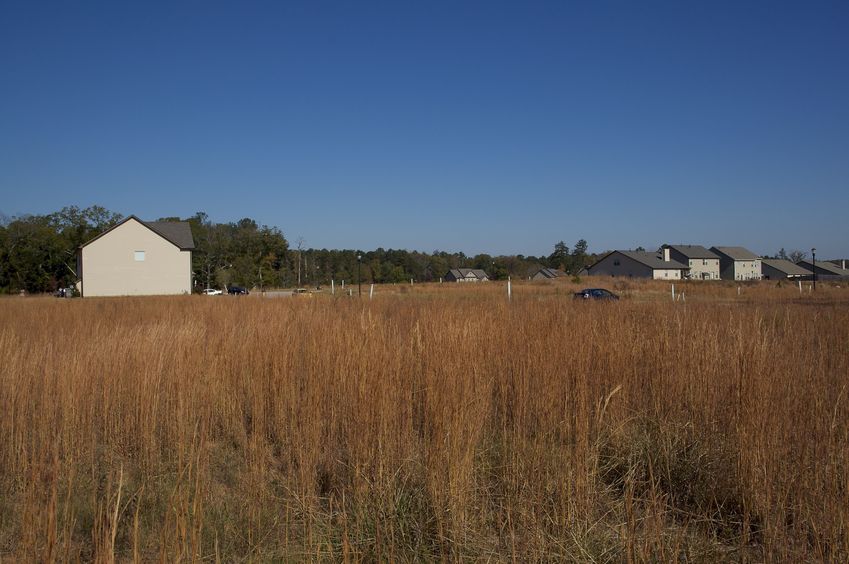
[[429, 423]]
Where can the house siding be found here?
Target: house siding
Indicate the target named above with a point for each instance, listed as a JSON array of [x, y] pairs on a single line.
[[627, 267], [110, 267], [731, 269], [744, 270], [700, 269], [667, 274], [704, 269]]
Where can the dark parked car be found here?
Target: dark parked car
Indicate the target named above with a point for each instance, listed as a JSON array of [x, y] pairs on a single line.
[[595, 294], [237, 291]]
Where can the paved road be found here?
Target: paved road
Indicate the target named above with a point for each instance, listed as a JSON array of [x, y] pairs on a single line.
[[278, 294]]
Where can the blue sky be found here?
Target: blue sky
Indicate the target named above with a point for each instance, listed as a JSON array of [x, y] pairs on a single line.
[[473, 126]]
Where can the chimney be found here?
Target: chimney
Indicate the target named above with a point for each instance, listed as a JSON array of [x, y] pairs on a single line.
[[666, 254]]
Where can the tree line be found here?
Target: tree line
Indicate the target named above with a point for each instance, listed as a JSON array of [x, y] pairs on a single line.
[[38, 253]]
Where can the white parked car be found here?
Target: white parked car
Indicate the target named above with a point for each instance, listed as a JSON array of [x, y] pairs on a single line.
[[212, 292]]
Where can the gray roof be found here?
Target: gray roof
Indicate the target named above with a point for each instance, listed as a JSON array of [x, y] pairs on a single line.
[[735, 253], [825, 265], [786, 267], [551, 272], [178, 232], [464, 272], [693, 251], [653, 260]]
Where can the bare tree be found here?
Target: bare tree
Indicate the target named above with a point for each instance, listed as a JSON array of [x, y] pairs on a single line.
[[797, 255]]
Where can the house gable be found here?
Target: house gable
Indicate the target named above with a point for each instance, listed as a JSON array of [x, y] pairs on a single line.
[[132, 258]]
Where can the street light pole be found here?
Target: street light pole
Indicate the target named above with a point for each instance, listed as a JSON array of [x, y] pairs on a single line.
[[814, 262], [359, 279]]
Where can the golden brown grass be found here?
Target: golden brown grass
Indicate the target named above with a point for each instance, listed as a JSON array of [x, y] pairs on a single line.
[[434, 422]]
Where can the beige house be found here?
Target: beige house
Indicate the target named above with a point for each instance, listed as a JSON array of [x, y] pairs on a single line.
[[704, 265], [737, 263], [137, 258], [639, 264]]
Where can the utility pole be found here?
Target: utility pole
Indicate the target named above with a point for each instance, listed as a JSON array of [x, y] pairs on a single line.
[[814, 262], [359, 280], [300, 246]]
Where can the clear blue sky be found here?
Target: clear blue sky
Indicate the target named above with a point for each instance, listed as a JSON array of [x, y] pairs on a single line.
[[473, 126]]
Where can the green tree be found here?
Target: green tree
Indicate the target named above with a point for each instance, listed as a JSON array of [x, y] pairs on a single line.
[[579, 256], [34, 256], [560, 257]]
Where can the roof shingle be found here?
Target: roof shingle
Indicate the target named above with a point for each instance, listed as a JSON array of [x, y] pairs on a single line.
[[653, 260], [786, 267], [693, 251], [178, 232], [736, 253]]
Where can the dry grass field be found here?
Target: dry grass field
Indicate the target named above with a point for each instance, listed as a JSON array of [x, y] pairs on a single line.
[[431, 423]]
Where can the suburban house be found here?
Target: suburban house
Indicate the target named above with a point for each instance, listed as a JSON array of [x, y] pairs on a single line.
[[704, 265], [137, 258], [466, 275], [780, 269], [548, 274], [825, 270], [639, 264], [737, 263]]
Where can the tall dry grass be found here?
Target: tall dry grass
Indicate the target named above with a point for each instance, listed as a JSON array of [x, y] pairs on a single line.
[[430, 423]]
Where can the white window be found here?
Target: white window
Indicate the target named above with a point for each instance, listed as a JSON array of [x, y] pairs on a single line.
[[139, 256]]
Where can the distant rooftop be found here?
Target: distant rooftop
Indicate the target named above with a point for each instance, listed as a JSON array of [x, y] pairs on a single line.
[[464, 272], [825, 265], [736, 253], [786, 267], [551, 272], [693, 251], [652, 260]]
